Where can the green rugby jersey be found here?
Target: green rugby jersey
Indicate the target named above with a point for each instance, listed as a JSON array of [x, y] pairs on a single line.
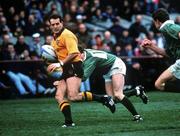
[[170, 32], [97, 60]]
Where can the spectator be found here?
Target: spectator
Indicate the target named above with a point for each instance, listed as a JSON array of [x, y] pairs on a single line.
[[35, 47], [118, 50], [3, 25], [25, 55], [18, 32], [81, 11], [19, 79], [137, 6], [10, 53], [15, 23], [69, 23], [22, 19], [108, 40], [73, 11], [151, 5], [116, 29], [109, 14], [20, 46], [83, 36], [44, 28], [31, 26], [35, 11], [48, 39], [125, 9], [136, 29], [54, 5], [5, 41], [98, 44], [125, 38], [10, 15], [96, 5], [97, 16]]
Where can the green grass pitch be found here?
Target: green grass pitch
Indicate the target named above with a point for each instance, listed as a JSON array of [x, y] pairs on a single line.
[[41, 117]]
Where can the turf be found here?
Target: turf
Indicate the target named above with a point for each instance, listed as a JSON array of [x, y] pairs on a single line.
[[33, 117]]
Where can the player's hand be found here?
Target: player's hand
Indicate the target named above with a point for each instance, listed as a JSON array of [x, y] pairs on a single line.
[[56, 83], [53, 66], [146, 43]]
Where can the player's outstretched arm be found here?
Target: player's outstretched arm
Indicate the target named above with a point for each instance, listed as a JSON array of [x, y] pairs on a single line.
[[149, 44]]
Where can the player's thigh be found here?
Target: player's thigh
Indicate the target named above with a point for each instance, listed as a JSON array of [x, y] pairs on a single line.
[[109, 89], [73, 86], [164, 77]]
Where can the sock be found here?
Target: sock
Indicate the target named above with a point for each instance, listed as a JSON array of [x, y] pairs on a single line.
[[127, 103], [131, 92], [88, 96], [66, 110]]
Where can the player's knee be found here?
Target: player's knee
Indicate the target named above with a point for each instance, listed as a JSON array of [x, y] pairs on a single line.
[[58, 98], [119, 96], [72, 98], [158, 85]]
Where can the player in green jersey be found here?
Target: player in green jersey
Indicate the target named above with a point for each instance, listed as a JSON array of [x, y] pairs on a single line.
[[171, 33], [113, 70]]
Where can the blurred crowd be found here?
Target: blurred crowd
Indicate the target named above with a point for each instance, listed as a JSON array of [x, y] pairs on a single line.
[[115, 26]]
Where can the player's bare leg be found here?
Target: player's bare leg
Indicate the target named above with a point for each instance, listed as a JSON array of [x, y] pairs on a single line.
[[73, 85], [64, 104], [118, 85], [109, 89], [163, 78]]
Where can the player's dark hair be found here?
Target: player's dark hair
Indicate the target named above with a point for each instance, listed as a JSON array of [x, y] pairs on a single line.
[[161, 14], [81, 49], [55, 16]]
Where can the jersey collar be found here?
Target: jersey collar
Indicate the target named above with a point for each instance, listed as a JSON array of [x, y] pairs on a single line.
[[58, 34], [167, 22]]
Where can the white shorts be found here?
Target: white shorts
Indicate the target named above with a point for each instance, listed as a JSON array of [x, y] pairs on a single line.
[[175, 69], [117, 68]]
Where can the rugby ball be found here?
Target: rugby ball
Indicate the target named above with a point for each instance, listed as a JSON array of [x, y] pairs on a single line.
[[48, 54]]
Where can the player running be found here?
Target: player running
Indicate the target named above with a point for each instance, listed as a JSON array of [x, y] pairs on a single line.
[[171, 32]]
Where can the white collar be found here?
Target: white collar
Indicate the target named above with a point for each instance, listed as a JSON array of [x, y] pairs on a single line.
[[166, 22]]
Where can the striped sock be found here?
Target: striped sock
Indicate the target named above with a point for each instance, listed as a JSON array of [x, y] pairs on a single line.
[[66, 110], [87, 96]]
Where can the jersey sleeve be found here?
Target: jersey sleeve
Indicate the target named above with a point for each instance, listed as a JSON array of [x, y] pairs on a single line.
[[71, 44]]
